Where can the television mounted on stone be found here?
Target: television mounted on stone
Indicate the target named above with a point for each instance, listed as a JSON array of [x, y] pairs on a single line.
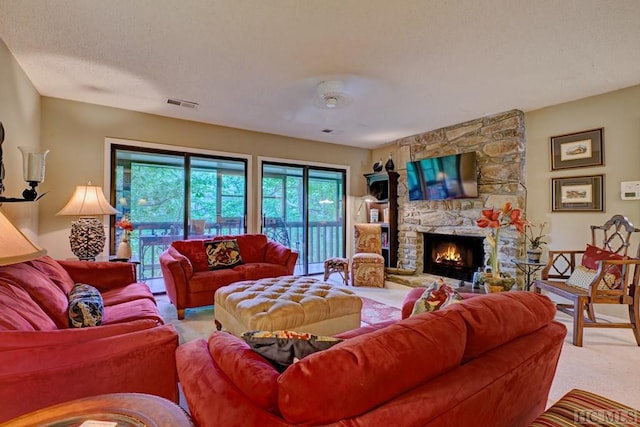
[[443, 178]]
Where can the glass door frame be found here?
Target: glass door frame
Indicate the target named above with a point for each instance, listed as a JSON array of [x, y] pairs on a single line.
[[306, 166]]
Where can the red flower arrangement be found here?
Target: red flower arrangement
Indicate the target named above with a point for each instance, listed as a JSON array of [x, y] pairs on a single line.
[[496, 220], [126, 225]]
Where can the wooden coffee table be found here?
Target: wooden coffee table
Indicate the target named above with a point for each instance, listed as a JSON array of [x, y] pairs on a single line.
[[127, 409]]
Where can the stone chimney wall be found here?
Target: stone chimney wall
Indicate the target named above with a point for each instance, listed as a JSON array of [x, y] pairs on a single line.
[[499, 143]]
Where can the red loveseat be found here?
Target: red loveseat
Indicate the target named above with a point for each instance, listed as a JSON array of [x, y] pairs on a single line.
[[190, 283], [44, 362], [487, 361]]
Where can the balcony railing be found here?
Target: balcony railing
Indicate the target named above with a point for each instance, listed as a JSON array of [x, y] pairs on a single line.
[[150, 239]]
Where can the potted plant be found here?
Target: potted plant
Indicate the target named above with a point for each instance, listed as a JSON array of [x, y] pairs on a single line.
[[535, 240]]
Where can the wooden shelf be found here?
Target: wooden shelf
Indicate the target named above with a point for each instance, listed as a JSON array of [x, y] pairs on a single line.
[[384, 187]]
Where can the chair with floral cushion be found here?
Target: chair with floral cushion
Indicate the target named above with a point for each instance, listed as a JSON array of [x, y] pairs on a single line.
[[605, 274], [367, 268]]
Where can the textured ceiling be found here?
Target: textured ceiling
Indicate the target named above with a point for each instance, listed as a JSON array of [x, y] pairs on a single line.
[[407, 66]]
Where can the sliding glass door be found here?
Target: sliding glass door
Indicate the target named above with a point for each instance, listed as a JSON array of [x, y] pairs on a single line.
[[173, 196], [304, 208]]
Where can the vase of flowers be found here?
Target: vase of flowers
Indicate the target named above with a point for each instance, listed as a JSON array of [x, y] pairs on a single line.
[[124, 247], [496, 220], [535, 241]]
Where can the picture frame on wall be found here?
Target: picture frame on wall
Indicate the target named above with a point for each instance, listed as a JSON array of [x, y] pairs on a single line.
[[578, 194], [577, 150]]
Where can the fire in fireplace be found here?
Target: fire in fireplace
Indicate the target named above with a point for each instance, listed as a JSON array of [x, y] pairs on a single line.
[[453, 256]]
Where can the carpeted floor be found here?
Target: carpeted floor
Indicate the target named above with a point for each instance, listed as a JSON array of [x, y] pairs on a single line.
[[607, 364]]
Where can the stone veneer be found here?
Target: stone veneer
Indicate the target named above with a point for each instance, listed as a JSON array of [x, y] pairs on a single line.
[[499, 143]]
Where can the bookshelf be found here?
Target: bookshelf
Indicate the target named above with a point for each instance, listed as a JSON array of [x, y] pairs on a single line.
[[383, 186]]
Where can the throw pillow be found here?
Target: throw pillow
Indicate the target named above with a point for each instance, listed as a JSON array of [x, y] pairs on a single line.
[[436, 297], [282, 348], [85, 306], [582, 277], [593, 255], [222, 254]]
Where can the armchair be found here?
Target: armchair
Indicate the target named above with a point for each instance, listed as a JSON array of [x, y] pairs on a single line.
[[368, 264], [605, 275]]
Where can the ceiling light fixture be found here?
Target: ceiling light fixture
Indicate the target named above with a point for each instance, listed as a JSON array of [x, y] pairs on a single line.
[[331, 95]]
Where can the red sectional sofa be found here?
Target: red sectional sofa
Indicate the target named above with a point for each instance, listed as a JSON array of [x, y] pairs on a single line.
[[190, 283], [44, 362], [487, 361]]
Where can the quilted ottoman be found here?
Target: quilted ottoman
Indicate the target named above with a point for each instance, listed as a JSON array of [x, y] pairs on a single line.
[[302, 304]]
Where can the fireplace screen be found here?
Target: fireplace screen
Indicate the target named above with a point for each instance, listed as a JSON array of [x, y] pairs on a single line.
[[453, 256]]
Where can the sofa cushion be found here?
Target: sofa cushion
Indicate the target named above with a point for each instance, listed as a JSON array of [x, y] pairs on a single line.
[[194, 251], [20, 313], [261, 270], [252, 246], [370, 369], [222, 254], [282, 348], [251, 373], [42, 290], [86, 307], [130, 311], [55, 272], [276, 253], [496, 318], [207, 281]]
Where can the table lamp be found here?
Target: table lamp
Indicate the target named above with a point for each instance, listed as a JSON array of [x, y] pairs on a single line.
[[87, 236], [15, 247]]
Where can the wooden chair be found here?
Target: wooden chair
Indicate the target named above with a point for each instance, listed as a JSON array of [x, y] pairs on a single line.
[[620, 275]]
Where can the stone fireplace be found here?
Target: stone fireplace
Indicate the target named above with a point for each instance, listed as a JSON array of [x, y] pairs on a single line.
[[453, 256], [499, 143]]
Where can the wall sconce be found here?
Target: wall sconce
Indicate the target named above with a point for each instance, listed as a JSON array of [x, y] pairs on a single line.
[[87, 236], [364, 199], [32, 170]]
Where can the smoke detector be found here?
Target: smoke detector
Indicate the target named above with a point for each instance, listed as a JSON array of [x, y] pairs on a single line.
[[331, 95]]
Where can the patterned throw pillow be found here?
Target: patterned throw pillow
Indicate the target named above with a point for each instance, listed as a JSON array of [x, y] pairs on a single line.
[[282, 348], [436, 297], [85, 306], [583, 276], [593, 255], [222, 254]]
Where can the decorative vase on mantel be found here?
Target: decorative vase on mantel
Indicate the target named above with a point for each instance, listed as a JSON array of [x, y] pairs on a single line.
[[124, 248]]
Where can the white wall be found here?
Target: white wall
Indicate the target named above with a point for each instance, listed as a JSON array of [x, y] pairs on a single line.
[[619, 114], [20, 116]]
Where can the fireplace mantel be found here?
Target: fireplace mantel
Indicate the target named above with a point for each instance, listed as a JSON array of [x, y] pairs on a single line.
[[499, 142]]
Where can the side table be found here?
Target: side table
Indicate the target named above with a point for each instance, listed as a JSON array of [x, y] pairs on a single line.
[[529, 268], [125, 409]]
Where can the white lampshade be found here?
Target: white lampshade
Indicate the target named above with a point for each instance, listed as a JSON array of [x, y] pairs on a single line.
[[14, 246], [87, 236], [88, 200]]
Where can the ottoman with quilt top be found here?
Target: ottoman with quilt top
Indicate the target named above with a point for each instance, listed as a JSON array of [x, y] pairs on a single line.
[[295, 303]]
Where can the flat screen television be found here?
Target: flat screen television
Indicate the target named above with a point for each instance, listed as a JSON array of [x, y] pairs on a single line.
[[443, 178]]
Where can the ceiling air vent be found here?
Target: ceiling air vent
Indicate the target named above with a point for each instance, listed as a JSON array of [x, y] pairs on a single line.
[[181, 103]]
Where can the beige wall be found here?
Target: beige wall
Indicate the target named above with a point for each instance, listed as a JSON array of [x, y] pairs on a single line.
[[75, 132], [619, 114], [20, 116]]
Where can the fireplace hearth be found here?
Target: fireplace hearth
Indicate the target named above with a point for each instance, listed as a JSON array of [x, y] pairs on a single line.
[[453, 256]]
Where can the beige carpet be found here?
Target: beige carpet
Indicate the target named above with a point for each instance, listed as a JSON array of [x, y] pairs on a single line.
[[607, 364]]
